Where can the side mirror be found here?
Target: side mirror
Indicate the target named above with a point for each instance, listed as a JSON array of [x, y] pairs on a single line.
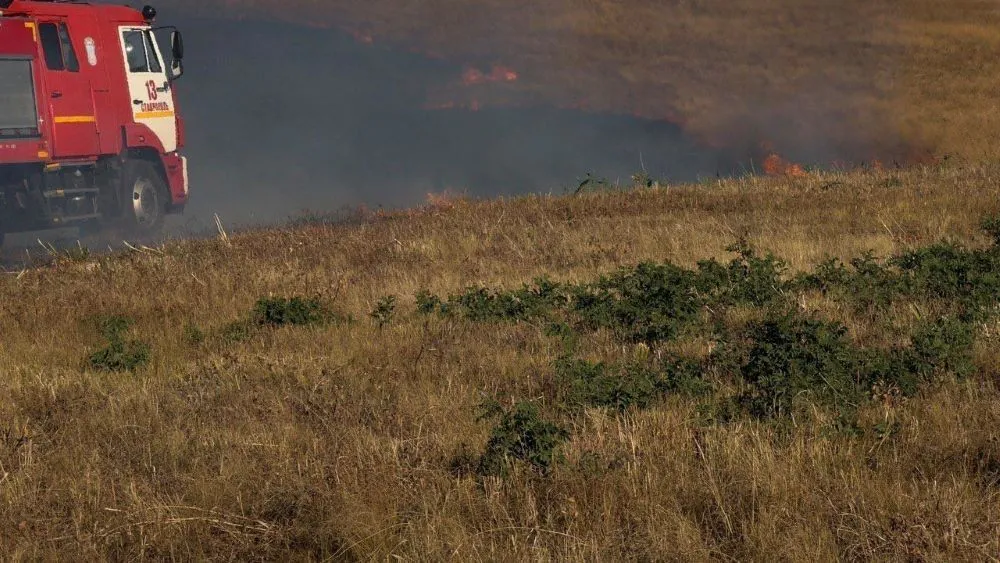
[[176, 69], [177, 45]]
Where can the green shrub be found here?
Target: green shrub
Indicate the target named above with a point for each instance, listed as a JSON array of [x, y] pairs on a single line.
[[790, 357], [600, 385], [193, 335], [793, 356], [943, 346], [777, 363], [683, 377], [112, 327], [752, 279], [869, 285], [520, 434], [874, 286], [658, 302], [828, 275], [649, 303], [968, 280], [628, 385], [279, 311], [531, 301], [593, 183], [384, 310], [894, 368], [121, 355], [427, 303]]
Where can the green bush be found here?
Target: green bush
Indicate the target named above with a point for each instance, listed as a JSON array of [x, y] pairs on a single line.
[[829, 275], [427, 302], [520, 434], [121, 355], [967, 280], [384, 310], [193, 335], [531, 301], [600, 385], [279, 311], [649, 303], [683, 377], [769, 368], [943, 346], [751, 279], [869, 285], [792, 357], [894, 368], [628, 385]]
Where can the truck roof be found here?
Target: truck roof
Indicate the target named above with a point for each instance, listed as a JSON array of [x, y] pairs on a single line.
[[69, 8]]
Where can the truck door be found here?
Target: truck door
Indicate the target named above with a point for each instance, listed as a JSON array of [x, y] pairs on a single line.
[[70, 95], [150, 93]]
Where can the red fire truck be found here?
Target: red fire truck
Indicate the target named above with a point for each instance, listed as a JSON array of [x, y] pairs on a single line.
[[90, 131]]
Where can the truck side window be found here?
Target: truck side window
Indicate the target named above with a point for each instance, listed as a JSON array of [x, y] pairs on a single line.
[[135, 51], [57, 48], [69, 55], [50, 46], [154, 61]]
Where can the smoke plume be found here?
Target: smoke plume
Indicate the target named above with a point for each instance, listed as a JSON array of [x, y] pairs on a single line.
[[283, 118]]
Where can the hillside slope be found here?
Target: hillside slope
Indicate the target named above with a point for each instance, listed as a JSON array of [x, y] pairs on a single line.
[[157, 407]]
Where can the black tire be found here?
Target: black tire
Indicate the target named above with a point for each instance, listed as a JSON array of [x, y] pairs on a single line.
[[143, 198]]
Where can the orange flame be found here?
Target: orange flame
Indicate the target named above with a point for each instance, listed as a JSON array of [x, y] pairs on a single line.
[[499, 73], [774, 165]]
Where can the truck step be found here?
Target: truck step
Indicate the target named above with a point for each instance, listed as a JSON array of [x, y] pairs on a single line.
[[59, 221], [50, 194]]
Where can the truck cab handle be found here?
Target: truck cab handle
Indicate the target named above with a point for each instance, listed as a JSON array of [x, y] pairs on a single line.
[[137, 102], [56, 94]]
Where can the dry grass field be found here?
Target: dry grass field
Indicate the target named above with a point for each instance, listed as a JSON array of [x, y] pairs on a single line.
[[858, 79], [624, 373], [218, 434]]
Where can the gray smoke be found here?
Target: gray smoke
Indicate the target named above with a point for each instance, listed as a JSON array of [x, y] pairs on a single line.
[[282, 118]]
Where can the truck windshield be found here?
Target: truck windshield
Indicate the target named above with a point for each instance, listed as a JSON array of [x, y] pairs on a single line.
[[18, 117]]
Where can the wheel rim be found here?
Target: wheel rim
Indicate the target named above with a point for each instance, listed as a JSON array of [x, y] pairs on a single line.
[[145, 202]]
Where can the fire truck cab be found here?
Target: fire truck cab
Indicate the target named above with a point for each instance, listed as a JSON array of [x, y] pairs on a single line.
[[90, 131]]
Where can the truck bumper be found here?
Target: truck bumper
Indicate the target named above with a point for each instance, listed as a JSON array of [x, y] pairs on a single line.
[[177, 177]]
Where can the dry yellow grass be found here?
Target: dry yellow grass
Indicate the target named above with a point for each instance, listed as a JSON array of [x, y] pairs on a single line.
[[338, 442], [856, 79]]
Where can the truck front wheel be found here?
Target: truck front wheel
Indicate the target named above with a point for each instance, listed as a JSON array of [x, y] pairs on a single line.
[[144, 198]]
